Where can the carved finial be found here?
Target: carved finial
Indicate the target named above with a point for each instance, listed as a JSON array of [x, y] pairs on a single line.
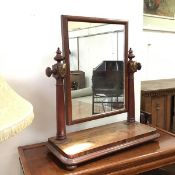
[[58, 56], [133, 65], [131, 55], [58, 70]]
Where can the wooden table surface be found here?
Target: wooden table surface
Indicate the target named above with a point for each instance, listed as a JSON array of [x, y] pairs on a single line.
[[37, 160], [155, 85]]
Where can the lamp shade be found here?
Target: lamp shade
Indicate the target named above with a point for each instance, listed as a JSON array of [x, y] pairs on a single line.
[[16, 113]]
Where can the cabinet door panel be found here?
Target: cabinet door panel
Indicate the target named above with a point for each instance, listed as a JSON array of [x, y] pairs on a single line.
[[158, 112]]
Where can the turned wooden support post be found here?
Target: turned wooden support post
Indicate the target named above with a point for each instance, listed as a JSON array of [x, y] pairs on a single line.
[[58, 71], [133, 66]]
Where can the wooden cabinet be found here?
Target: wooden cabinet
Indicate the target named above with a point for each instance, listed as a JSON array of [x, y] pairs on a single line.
[[157, 98], [77, 79]]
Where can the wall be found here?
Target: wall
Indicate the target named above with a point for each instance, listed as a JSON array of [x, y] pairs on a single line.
[[158, 56], [30, 34]]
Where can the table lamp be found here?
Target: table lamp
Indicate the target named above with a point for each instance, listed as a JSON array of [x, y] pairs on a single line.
[[16, 113]]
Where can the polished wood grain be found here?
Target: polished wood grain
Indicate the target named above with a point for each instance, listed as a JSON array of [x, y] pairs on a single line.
[[37, 160], [91, 143], [100, 137]]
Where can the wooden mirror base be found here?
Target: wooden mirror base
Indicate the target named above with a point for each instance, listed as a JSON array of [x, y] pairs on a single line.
[[91, 143]]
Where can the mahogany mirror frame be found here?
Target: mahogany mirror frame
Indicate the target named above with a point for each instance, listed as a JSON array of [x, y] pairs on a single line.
[[66, 52], [107, 138]]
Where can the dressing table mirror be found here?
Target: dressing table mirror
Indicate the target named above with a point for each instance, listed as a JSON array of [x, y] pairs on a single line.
[[96, 56], [94, 79]]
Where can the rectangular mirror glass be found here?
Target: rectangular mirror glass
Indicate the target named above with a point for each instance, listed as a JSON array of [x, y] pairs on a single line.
[[95, 51]]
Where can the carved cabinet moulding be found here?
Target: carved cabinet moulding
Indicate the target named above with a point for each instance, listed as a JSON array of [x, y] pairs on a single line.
[[158, 93]]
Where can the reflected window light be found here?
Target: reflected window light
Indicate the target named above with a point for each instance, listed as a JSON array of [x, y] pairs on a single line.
[[77, 148]]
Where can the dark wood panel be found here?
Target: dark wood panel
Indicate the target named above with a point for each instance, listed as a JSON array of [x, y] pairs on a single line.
[[156, 98], [159, 112]]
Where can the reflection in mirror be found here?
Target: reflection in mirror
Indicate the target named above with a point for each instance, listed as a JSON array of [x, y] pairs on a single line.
[[96, 56]]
